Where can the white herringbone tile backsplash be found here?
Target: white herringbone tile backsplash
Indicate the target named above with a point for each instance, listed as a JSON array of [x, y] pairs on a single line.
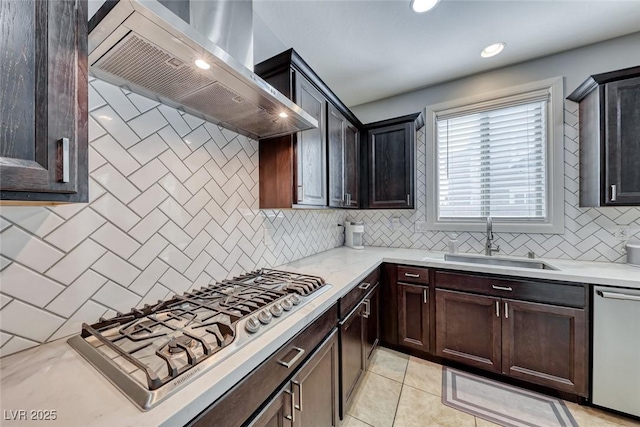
[[589, 233], [173, 206]]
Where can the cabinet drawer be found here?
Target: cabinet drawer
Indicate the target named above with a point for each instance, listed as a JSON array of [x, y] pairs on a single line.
[[561, 293], [355, 295], [413, 274], [239, 403]]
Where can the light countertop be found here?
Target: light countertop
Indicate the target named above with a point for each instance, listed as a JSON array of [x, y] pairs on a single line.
[[55, 377]]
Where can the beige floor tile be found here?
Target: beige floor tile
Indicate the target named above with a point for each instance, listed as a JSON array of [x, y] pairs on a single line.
[[389, 363], [419, 409], [424, 375], [484, 423], [592, 417], [376, 400], [349, 421]]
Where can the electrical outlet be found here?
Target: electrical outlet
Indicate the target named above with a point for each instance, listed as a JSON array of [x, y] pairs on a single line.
[[621, 233], [266, 238], [394, 223], [421, 227]]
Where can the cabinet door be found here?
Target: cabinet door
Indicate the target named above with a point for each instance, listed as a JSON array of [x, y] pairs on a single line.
[[468, 329], [413, 316], [352, 358], [372, 323], [545, 344], [391, 166], [352, 165], [311, 147], [336, 130], [315, 388], [277, 413], [43, 139], [622, 117]]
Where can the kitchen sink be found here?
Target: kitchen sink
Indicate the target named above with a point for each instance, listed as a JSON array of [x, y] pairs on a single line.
[[519, 263]]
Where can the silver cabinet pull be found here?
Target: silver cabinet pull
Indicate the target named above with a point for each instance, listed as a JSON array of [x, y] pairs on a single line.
[[614, 192], [502, 288], [408, 199], [367, 308], [424, 295], [294, 359], [299, 406], [364, 286], [291, 417], [63, 160], [506, 310], [617, 295], [416, 276], [497, 308]]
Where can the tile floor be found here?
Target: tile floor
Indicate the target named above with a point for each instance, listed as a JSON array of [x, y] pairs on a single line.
[[403, 391]]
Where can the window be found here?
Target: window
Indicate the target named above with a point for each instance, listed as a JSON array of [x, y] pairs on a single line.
[[498, 157]]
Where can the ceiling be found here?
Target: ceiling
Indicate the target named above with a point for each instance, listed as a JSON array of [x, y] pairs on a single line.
[[372, 49]]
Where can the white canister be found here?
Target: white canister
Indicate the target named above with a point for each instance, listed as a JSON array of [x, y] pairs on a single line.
[[633, 253]]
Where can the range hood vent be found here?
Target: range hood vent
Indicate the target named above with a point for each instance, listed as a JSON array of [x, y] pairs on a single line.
[[144, 46]]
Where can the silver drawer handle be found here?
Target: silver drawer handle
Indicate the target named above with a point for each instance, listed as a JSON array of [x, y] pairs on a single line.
[[411, 275], [424, 296], [299, 406], [497, 308], [502, 288], [364, 286], [294, 359], [63, 160], [616, 295], [614, 194], [291, 417], [367, 308]]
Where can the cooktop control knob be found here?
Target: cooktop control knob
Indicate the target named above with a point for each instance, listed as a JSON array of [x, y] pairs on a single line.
[[252, 325], [276, 310], [264, 317], [295, 299], [287, 305]]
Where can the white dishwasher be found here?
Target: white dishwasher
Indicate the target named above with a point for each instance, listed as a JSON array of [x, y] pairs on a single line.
[[616, 349]]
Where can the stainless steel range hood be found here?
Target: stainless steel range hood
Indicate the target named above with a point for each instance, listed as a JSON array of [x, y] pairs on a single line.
[[152, 46]]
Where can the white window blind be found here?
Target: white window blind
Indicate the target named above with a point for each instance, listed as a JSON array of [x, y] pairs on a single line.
[[491, 160]]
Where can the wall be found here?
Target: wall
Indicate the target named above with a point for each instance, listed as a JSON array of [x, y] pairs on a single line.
[[575, 65], [589, 233], [173, 206]]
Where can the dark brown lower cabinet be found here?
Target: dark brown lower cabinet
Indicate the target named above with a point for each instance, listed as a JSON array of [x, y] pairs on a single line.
[[372, 323], [539, 343], [545, 344], [278, 411], [352, 354], [310, 398], [413, 316], [468, 329]]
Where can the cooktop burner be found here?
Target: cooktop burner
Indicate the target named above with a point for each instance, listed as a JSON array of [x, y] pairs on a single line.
[[150, 352]]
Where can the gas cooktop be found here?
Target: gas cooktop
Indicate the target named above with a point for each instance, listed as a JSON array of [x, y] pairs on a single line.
[[151, 352]]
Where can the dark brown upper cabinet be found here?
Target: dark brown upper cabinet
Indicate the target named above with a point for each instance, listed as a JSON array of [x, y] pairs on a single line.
[[610, 138], [301, 170], [344, 153], [43, 101], [390, 162]]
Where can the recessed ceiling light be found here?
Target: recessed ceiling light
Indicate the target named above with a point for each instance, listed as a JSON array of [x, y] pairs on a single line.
[[492, 50], [283, 115], [202, 64], [422, 6]]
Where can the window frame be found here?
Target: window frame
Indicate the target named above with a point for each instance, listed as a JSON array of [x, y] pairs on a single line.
[[554, 222]]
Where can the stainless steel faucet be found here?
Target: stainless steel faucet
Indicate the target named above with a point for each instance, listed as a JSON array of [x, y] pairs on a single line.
[[489, 249]]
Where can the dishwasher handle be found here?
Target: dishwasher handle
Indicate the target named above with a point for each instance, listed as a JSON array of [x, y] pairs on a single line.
[[618, 295]]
